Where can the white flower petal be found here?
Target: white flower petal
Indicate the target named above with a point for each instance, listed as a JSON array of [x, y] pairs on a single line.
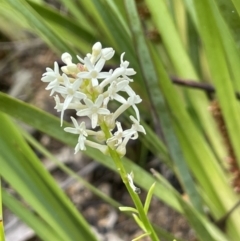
[[75, 123], [98, 67], [66, 58], [88, 102], [94, 119], [84, 112], [107, 53], [84, 75], [94, 82], [99, 101], [71, 130], [88, 64], [103, 111]]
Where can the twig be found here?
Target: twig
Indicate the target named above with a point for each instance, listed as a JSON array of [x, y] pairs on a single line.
[[197, 85]]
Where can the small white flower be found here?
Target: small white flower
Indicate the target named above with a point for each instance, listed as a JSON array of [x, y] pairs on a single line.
[[106, 54], [92, 110], [71, 68], [127, 71], [116, 87], [51, 75], [59, 105], [123, 71], [114, 75], [79, 130], [132, 101], [81, 144], [96, 51], [121, 149], [69, 91], [116, 139], [99, 54], [136, 126], [93, 72], [66, 58]]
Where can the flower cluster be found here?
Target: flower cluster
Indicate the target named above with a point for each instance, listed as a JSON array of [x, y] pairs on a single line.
[[87, 89]]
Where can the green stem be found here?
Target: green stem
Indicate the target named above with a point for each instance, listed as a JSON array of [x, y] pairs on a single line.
[[134, 196], [2, 238]]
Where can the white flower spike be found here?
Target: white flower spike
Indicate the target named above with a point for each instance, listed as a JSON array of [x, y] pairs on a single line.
[[85, 88]]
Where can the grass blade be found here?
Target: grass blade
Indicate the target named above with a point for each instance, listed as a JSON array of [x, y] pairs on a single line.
[[51, 125], [23, 171], [160, 106], [214, 46], [2, 236], [42, 229], [184, 69], [38, 24]]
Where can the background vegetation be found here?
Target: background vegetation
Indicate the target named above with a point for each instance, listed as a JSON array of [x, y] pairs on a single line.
[[194, 130]]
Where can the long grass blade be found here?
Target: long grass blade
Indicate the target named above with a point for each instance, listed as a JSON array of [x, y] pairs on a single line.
[[23, 171], [37, 23], [209, 175], [2, 236], [160, 106], [42, 229], [36, 118], [205, 230], [214, 46], [184, 69]]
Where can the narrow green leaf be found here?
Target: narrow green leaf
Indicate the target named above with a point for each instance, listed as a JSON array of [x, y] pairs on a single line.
[[193, 45], [2, 236], [51, 126], [23, 171], [113, 25], [42, 229], [139, 222], [141, 236], [213, 43], [35, 20], [75, 10], [231, 49], [237, 5], [209, 175], [149, 198], [161, 232], [227, 21], [205, 230], [118, 9], [160, 106], [64, 22], [184, 69], [67, 170], [128, 209]]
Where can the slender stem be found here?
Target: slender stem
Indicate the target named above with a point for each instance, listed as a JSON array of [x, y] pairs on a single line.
[[2, 237], [134, 196]]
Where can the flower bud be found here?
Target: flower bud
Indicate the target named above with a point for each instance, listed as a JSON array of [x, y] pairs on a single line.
[[66, 58]]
